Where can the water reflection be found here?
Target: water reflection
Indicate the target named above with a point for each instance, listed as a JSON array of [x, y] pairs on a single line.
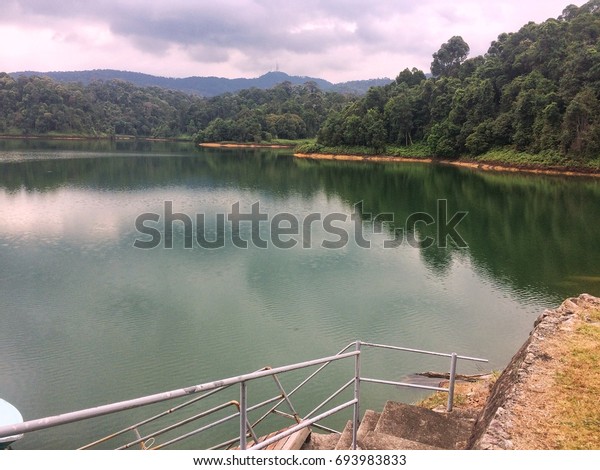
[[89, 319]]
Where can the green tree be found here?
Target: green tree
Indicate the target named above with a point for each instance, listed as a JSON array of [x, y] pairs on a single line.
[[374, 130], [581, 125], [410, 77], [331, 132], [449, 57], [398, 113], [352, 133], [286, 126]]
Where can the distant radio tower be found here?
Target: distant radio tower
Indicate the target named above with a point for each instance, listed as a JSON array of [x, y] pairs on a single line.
[[276, 66]]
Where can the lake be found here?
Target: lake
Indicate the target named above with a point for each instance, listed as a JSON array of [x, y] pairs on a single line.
[[109, 292]]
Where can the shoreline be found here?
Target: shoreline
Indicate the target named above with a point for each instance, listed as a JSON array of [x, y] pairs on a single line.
[[89, 137], [232, 145], [362, 158], [483, 166], [473, 165]]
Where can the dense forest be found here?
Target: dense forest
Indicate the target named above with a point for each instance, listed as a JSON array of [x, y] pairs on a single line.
[[40, 105], [535, 91], [285, 111]]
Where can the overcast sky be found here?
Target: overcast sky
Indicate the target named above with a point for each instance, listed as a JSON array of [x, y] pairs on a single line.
[[338, 40]]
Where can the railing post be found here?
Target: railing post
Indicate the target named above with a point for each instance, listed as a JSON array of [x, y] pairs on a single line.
[[356, 412], [243, 416], [452, 380]]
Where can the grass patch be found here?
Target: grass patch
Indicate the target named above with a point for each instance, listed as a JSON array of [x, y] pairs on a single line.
[[291, 142], [577, 417], [417, 150], [592, 316], [441, 399], [513, 157], [472, 395], [509, 156]]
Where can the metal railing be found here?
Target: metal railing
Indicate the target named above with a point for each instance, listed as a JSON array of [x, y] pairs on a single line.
[[247, 429]]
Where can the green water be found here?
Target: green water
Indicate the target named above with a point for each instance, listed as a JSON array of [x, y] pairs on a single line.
[[86, 318]]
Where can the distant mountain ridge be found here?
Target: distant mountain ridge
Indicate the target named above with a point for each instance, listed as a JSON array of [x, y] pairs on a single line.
[[207, 86]]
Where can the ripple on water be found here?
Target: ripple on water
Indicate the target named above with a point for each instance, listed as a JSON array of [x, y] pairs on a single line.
[[87, 319]]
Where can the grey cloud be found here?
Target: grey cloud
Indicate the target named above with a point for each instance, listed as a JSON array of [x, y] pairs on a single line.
[[205, 54], [216, 31], [243, 24], [262, 30], [33, 10]]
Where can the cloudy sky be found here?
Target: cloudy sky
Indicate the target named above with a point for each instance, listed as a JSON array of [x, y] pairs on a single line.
[[338, 40]]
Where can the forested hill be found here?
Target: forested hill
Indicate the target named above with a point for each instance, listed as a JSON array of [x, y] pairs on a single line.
[[535, 91], [206, 86], [40, 105]]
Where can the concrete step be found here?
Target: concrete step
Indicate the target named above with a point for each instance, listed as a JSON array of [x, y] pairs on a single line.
[[318, 441], [440, 430], [367, 425], [377, 441], [403, 427], [345, 441]]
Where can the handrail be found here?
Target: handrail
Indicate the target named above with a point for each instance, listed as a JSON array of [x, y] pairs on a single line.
[[403, 384], [151, 419], [215, 424], [246, 428], [301, 384], [453, 364], [302, 425], [421, 351], [134, 427], [330, 397], [74, 416], [181, 423]]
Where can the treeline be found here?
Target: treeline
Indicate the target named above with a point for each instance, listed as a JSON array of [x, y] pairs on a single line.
[[40, 105], [536, 91], [285, 111]]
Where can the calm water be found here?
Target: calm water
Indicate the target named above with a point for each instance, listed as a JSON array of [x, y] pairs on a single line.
[[86, 318]]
